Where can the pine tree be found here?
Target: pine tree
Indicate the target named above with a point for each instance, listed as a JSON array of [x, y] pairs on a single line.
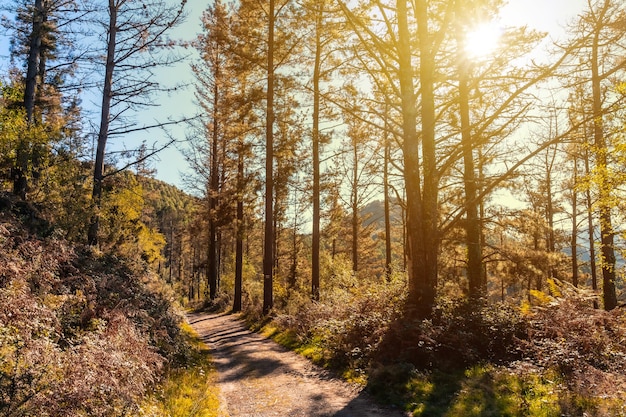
[[42, 32], [599, 31]]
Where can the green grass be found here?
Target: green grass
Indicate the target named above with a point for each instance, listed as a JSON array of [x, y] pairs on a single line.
[[485, 391], [311, 350], [189, 389], [476, 392]]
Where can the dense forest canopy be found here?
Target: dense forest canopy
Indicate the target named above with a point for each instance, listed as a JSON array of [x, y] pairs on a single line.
[[416, 154]]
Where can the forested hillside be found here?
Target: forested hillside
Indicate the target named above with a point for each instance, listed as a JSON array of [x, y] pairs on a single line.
[[425, 196]]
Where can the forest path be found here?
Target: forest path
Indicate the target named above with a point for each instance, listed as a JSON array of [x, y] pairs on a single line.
[[259, 378]]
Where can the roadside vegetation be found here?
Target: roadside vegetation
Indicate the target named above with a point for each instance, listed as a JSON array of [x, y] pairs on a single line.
[[441, 227], [558, 357], [189, 388], [87, 333]]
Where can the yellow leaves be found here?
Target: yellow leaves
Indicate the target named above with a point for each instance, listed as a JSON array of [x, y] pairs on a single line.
[[125, 204], [151, 243], [541, 298], [554, 288], [125, 229]]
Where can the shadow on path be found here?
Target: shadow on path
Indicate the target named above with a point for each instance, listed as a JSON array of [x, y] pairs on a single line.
[[259, 378]]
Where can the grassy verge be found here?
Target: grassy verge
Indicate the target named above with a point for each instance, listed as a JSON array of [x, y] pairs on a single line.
[[482, 390], [189, 389], [486, 390], [314, 351]]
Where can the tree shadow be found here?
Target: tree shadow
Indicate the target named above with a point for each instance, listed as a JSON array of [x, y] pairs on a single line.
[[364, 405]]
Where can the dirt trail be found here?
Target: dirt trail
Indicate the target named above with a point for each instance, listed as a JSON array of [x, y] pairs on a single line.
[[259, 378]]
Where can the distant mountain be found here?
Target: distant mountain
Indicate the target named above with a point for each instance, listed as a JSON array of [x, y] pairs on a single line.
[[374, 213]]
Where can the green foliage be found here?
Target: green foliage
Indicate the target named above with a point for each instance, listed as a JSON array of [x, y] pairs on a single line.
[[32, 149], [520, 390], [478, 391], [64, 196], [12, 124]]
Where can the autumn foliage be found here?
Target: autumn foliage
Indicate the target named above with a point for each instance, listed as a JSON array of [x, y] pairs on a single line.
[[81, 333]]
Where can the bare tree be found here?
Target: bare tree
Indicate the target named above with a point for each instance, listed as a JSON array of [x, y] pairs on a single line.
[[136, 44]]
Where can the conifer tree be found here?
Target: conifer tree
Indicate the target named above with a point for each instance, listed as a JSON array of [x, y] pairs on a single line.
[[599, 32], [42, 33]]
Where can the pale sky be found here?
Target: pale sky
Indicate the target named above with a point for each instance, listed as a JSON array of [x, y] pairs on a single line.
[[544, 15]]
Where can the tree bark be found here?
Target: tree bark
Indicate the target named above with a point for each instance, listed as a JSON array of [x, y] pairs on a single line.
[[212, 261], [606, 226], [105, 115], [354, 197], [315, 242], [590, 227], [574, 238], [422, 236], [268, 246], [237, 298], [418, 291], [388, 259], [20, 182], [473, 226]]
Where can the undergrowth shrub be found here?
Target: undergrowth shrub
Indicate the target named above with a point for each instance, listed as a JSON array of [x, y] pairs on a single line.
[[460, 334], [81, 333], [470, 332], [584, 344], [347, 325]]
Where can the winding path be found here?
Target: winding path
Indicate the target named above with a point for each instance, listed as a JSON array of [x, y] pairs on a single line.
[[259, 378]]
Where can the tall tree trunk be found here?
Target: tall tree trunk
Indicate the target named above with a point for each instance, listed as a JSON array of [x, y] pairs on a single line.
[[34, 56], [387, 157], [422, 236], [20, 182], [590, 228], [212, 261], [431, 175], [574, 238], [293, 270], [606, 226], [551, 237], [481, 213], [103, 133], [268, 245], [418, 292], [239, 232], [315, 242], [355, 207], [473, 227]]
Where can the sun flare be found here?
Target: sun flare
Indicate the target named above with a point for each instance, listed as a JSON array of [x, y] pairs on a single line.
[[482, 41]]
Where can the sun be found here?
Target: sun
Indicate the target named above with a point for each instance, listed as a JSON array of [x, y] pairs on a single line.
[[482, 41]]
